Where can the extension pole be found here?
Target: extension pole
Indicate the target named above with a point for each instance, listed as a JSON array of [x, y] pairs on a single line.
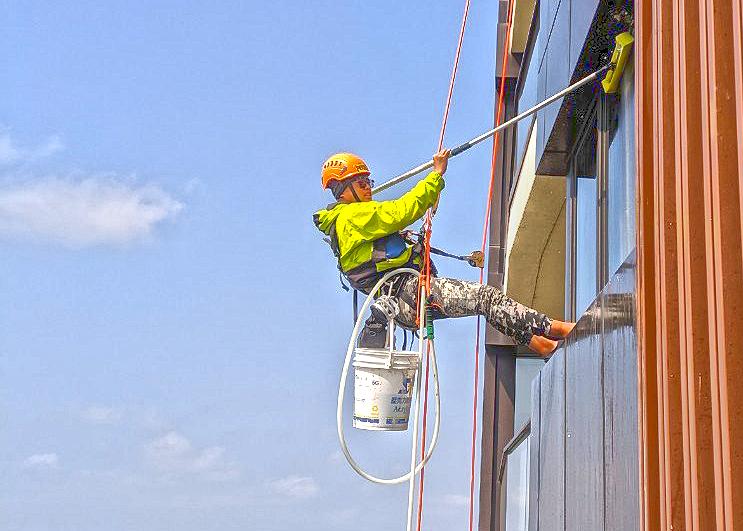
[[464, 147]]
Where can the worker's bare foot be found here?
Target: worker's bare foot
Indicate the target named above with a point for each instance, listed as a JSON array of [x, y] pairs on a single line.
[[542, 345], [560, 329]]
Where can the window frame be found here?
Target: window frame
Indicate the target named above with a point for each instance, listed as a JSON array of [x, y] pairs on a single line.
[[600, 114], [571, 246], [520, 437]]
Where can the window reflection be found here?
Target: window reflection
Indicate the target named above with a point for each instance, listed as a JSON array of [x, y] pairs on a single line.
[[585, 245], [621, 183], [526, 370], [517, 488], [586, 189]]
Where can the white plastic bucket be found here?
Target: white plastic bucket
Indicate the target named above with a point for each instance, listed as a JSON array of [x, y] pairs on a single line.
[[383, 388]]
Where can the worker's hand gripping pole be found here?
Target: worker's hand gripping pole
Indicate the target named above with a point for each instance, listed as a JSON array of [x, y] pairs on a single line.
[[615, 68]]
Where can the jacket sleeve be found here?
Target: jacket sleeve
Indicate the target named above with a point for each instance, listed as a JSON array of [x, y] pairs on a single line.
[[395, 215]]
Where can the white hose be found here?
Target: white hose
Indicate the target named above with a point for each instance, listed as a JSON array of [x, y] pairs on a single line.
[[342, 390]]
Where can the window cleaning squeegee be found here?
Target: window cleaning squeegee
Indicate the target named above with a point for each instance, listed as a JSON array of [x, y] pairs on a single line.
[[610, 85]]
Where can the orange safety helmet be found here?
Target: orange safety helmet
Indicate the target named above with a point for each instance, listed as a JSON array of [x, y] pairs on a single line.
[[343, 166]]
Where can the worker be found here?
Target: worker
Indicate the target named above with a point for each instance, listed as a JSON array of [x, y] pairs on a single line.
[[366, 238]]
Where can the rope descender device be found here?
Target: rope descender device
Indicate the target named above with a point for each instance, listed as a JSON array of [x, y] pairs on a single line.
[[476, 259]]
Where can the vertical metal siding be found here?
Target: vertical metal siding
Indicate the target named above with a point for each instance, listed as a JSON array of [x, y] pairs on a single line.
[[584, 421], [620, 400], [552, 445], [584, 425], [689, 80]]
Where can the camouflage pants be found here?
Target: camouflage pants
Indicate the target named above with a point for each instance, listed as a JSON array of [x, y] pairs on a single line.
[[459, 298]]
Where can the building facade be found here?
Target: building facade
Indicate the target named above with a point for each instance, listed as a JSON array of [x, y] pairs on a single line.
[[622, 212]]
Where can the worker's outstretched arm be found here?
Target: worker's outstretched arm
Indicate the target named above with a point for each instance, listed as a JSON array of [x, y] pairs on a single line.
[[397, 214]]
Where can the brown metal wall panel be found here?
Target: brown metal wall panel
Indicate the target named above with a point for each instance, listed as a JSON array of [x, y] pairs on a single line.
[[552, 445], [695, 384], [584, 424], [499, 376], [734, 368], [487, 442], [620, 400], [648, 411], [690, 257], [727, 271], [666, 296]]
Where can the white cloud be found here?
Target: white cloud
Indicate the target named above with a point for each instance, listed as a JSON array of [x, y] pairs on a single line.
[[295, 487], [75, 210], [83, 212], [343, 517], [53, 145], [153, 420], [173, 453], [42, 461], [457, 500], [101, 415], [209, 458], [11, 153], [170, 446]]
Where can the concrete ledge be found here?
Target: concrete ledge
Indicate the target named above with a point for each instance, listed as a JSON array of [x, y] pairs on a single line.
[[536, 253]]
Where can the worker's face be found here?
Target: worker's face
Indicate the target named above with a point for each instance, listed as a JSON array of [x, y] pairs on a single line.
[[363, 188]]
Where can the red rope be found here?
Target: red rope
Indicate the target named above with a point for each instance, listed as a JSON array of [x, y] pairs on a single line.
[[426, 277], [486, 226], [454, 73]]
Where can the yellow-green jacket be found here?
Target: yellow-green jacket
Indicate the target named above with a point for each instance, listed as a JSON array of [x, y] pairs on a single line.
[[365, 236]]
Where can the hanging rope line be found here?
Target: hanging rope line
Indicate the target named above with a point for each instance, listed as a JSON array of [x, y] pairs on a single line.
[[485, 229], [426, 276]]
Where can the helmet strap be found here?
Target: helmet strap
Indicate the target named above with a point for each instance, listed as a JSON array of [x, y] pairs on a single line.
[[353, 192]]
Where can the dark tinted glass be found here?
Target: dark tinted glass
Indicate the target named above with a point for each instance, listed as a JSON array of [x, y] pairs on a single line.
[[621, 193]]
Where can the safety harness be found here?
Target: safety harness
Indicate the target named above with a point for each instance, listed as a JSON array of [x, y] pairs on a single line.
[[364, 276]]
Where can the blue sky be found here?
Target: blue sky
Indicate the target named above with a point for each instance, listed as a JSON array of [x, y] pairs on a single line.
[[173, 327]]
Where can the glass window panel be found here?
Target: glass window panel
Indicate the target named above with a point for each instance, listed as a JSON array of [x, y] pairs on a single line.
[[526, 370], [586, 188], [585, 245], [517, 488], [621, 184]]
